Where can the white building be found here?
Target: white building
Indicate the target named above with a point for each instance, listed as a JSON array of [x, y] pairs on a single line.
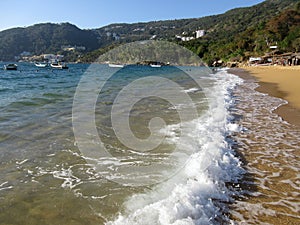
[[52, 57], [72, 48], [153, 37], [187, 38], [200, 33], [184, 38]]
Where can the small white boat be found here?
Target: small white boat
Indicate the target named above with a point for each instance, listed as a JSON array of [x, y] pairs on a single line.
[[59, 65], [116, 65], [155, 65], [10, 66], [41, 65]]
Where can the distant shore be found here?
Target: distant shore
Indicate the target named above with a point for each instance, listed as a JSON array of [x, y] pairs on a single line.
[[282, 82]]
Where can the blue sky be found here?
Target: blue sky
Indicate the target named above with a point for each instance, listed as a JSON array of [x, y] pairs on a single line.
[[97, 13]]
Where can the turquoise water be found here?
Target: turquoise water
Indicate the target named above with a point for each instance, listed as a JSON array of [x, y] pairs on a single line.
[[44, 176]]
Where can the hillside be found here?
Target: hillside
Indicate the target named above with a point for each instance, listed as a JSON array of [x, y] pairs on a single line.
[[44, 38], [281, 29], [232, 22], [222, 32]]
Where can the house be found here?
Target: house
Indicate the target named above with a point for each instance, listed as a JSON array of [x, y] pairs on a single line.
[[200, 33]]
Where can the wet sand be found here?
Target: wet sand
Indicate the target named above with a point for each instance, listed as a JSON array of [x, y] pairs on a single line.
[[268, 147]]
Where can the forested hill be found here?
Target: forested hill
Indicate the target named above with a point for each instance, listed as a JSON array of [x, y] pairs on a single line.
[[251, 31], [222, 34], [44, 38], [229, 23], [234, 35]]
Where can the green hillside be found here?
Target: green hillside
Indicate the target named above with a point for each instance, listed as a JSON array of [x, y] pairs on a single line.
[[281, 29], [235, 34], [228, 36], [44, 38]]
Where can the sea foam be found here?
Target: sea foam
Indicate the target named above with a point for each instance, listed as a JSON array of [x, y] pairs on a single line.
[[196, 195]]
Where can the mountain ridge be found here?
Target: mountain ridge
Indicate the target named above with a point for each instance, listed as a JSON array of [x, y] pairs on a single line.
[[49, 38]]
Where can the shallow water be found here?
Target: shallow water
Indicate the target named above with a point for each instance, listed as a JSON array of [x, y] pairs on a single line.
[[236, 162], [46, 178]]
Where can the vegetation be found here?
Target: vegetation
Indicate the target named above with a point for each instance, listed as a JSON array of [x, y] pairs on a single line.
[[234, 35], [44, 38], [275, 25], [92, 56], [145, 52]]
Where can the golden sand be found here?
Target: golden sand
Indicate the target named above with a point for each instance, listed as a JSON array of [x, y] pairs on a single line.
[[287, 79]]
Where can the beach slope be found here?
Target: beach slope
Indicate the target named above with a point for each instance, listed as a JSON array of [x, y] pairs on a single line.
[[282, 82]]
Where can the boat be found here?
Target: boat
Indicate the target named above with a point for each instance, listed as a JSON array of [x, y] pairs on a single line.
[[10, 66], [116, 65], [41, 65], [57, 65], [155, 65]]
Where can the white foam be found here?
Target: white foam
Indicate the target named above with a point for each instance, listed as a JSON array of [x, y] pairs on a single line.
[[3, 187], [194, 194], [22, 162], [191, 90], [274, 168]]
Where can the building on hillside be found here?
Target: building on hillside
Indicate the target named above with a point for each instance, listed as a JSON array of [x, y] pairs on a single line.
[[184, 38], [70, 48], [276, 58], [187, 38], [52, 57], [153, 37], [200, 33]]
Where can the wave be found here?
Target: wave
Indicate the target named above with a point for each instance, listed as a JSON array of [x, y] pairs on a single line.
[[198, 193]]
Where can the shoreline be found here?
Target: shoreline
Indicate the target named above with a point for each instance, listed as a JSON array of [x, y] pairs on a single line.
[[269, 151], [280, 82]]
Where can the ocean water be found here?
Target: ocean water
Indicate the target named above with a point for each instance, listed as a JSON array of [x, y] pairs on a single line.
[[178, 168]]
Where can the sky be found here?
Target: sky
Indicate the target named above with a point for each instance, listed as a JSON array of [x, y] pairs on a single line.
[[88, 14]]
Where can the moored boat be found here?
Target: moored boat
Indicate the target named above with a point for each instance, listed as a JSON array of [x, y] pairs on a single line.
[[10, 66], [155, 65], [41, 65], [59, 65], [116, 65]]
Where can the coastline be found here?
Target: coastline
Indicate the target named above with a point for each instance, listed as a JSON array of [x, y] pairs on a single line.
[[268, 148], [277, 81]]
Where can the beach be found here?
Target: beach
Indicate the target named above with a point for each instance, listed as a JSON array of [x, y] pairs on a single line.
[[268, 111], [243, 159], [282, 82]]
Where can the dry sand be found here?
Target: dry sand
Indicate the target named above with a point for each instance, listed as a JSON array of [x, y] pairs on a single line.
[[282, 82], [287, 79]]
